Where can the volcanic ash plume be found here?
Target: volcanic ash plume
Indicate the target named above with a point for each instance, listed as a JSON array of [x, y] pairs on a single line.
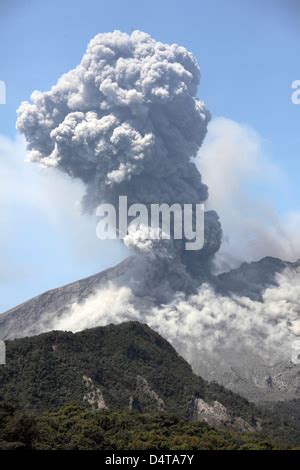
[[126, 121]]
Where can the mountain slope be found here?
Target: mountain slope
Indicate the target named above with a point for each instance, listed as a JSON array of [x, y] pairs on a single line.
[[25, 319], [125, 366], [246, 372], [250, 279]]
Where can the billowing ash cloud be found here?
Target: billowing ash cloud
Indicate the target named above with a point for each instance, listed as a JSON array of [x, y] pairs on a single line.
[[202, 322], [126, 121]]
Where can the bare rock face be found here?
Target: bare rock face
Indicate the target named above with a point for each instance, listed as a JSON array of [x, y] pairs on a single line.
[[143, 388], [216, 415], [93, 395], [134, 404]]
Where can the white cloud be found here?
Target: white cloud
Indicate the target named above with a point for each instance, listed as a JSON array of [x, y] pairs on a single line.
[[242, 181]]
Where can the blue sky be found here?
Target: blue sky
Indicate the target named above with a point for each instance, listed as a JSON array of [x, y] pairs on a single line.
[[248, 55]]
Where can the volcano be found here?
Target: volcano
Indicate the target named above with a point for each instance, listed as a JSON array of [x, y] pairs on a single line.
[[242, 370]]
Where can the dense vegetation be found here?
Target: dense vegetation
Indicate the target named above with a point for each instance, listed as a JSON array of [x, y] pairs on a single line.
[[282, 421], [131, 366], [46, 371], [72, 427]]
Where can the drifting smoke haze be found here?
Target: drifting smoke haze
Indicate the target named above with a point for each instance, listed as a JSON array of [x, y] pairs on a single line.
[[204, 322], [126, 121]]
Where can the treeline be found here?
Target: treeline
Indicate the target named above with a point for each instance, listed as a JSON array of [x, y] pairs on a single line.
[[72, 427]]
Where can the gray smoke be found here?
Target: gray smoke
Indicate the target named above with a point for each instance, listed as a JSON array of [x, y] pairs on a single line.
[[126, 121]]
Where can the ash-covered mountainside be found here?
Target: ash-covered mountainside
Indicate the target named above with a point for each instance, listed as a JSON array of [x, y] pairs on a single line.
[[252, 279], [33, 316], [236, 329]]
